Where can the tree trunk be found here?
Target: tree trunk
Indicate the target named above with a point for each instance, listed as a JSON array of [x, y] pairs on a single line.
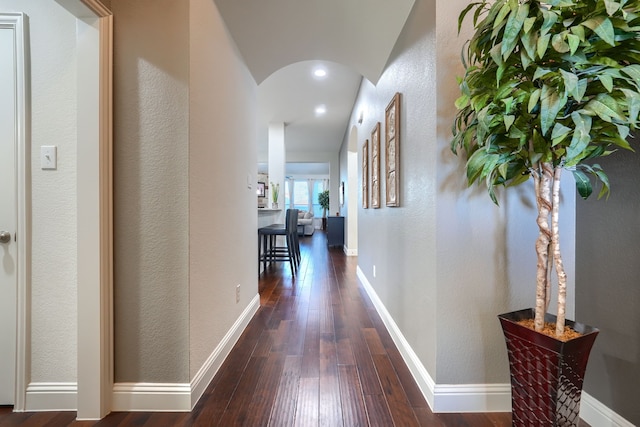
[[562, 276], [543, 179]]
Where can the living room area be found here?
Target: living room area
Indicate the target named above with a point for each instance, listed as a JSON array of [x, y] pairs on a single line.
[[306, 188]]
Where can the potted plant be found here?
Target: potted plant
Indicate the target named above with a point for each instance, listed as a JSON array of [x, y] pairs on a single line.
[[548, 86], [323, 201], [275, 192]]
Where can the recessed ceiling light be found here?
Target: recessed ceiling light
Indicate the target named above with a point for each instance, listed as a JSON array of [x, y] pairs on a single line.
[[320, 110], [320, 72]]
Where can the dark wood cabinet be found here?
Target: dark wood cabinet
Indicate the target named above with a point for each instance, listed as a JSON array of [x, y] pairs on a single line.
[[335, 231]]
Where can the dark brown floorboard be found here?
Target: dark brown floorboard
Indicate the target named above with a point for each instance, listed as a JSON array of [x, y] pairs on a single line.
[[315, 354]]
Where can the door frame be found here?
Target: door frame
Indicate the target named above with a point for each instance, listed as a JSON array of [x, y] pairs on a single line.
[[94, 206], [18, 23]]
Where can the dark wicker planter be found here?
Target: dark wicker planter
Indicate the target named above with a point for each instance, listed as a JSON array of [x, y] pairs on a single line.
[[546, 373]]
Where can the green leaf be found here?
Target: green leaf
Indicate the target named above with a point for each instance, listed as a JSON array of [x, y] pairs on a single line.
[[581, 89], [550, 18], [540, 72], [605, 107], [508, 120], [503, 170], [633, 104], [602, 27], [533, 100], [559, 132], [583, 184], [612, 6], [633, 71], [528, 24], [559, 44], [604, 179], [508, 104], [578, 30], [529, 42], [570, 83], [462, 102], [581, 138], [474, 165], [607, 82], [623, 131], [512, 29], [543, 44], [504, 11], [550, 104], [524, 58], [495, 54], [464, 12], [574, 43]]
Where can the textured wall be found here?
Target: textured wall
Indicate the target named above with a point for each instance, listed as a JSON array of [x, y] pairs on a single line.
[[223, 211], [151, 196], [52, 44], [400, 242], [486, 254], [447, 261], [608, 249]]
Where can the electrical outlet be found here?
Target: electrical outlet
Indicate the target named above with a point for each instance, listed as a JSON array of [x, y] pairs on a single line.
[[374, 271], [237, 294]]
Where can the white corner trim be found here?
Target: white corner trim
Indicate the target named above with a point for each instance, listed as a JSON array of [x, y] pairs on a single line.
[[51, 397], [211, 366], [349, 252], [597, 414], [156, 397]]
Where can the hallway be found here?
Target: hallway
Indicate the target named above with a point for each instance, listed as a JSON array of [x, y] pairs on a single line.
[[315, 354]]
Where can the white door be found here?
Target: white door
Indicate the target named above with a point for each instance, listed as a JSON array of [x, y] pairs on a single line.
[[8, 216]]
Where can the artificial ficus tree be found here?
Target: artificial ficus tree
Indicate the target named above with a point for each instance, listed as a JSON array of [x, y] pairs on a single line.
[[548, 86]]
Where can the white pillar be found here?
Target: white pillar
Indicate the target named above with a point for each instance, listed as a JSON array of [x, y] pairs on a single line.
[[277, 160]]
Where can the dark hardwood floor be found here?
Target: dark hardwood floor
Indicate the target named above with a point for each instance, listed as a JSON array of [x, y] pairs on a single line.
[[315, 354]]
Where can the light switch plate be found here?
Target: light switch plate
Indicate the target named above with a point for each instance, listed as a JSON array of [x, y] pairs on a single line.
[[48, 157]]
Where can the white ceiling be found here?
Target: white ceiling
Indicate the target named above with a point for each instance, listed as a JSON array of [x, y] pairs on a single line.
[[282, 41]]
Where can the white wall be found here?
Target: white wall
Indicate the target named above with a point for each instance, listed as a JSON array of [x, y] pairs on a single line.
[[53, 59], [223, 210], [151, 196]]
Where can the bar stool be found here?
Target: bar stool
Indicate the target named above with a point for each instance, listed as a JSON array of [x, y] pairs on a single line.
[[267, 245]]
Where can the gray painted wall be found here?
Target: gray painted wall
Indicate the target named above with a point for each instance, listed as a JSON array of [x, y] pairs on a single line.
[[151, 197], [448, 261], [185, 218], [608, 275]]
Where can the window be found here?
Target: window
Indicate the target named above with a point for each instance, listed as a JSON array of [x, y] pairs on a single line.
[[301, 195], [318, 187]]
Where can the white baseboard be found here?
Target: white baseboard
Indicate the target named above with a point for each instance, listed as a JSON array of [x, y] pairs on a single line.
[[349, 252], [178, 397], [473, 397], [156, 397], [597, 414], [209, 369], [52, 397]]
